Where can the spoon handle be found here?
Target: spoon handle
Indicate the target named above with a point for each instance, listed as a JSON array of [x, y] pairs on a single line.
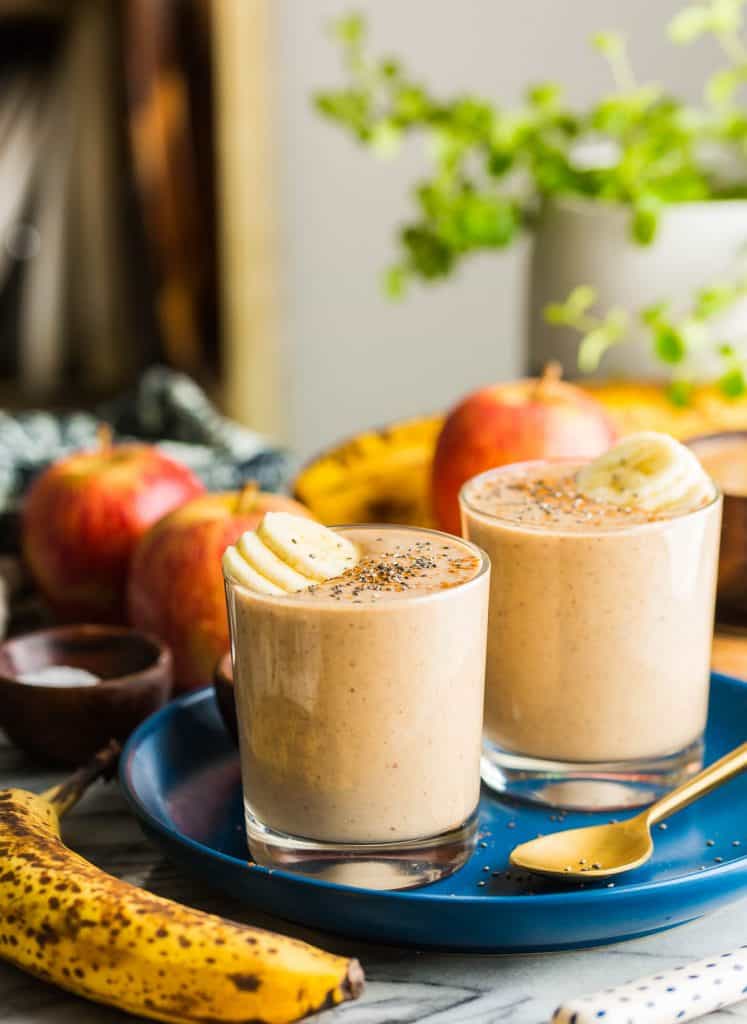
[[725, 768]]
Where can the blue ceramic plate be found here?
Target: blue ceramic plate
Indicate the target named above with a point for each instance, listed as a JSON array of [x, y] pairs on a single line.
[[180, 772]]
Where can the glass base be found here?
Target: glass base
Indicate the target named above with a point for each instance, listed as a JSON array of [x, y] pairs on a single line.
[[401, 865], [587, 786]]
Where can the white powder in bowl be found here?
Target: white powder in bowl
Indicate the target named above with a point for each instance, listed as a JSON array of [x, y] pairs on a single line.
[[59, 675]]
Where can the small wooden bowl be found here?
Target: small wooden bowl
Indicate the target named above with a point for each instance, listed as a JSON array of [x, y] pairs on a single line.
[[66, 725], [224, 694], [732, 563]]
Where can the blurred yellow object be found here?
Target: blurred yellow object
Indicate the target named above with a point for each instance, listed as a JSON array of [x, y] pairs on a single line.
[[384, 476], [641, 405], [378, 476]]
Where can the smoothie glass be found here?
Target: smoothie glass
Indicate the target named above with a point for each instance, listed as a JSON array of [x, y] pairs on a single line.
[[599, 645], [360, 724]]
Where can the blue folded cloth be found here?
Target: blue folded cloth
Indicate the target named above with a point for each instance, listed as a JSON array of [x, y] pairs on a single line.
[[166, 408]]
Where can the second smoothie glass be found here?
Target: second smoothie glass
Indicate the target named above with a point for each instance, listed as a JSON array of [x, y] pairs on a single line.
[[360, 726], [599, 645]]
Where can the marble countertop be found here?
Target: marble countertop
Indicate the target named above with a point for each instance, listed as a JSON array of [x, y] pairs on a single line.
[[403, 985]]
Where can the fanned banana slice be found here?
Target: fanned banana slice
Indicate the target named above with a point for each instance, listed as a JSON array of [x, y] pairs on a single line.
[[650, 471], [239, 569], [310, 548], [266, 562], [287, 554]]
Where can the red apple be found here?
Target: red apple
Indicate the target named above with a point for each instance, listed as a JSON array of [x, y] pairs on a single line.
[[514, 422], [83, 516], [176, 582]]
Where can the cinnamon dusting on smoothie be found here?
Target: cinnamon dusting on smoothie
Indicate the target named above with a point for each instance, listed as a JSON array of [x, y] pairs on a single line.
[[553, 501], [393, 565]]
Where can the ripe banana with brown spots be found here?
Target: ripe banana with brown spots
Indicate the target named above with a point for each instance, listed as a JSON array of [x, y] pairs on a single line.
[[69, 923]]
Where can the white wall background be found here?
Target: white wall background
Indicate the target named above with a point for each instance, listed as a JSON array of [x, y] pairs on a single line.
[[353, 358]]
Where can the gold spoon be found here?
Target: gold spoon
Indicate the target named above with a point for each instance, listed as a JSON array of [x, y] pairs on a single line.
[[598, 851]]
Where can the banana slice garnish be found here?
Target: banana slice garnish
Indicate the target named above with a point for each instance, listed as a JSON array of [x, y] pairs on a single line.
[[312, 549], [287, 554], [237, 567], [254, 551], [649, 471]]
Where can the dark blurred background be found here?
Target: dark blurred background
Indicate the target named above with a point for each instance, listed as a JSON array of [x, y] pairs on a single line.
[[107, 221]]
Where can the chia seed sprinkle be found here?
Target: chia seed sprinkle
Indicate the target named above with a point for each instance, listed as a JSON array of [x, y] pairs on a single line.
[[387, 567], [517, 497]]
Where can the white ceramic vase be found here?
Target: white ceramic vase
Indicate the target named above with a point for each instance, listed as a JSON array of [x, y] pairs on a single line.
[[586, 242]]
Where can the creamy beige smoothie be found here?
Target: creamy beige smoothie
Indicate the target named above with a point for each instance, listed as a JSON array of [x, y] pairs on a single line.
[[360, 698], [724, 458], [601, 616]]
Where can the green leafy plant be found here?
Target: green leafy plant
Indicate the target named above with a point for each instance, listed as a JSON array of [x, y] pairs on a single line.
[[492, 168], [676, 339]]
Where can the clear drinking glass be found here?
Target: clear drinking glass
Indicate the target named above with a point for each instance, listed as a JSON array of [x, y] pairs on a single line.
[[360, 727], [599, 647]]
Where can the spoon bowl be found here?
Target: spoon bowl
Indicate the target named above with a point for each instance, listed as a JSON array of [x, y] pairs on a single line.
[[598, 851]]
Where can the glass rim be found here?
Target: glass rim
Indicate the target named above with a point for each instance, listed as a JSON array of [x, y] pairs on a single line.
[[294, 601], [624, 529]]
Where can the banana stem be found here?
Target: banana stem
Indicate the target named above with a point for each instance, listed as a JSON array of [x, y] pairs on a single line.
[[66, 794]]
